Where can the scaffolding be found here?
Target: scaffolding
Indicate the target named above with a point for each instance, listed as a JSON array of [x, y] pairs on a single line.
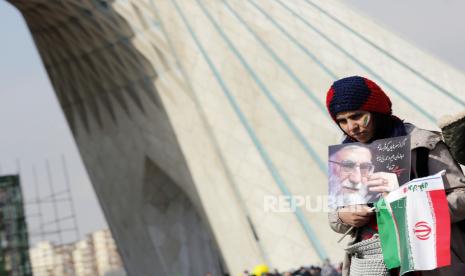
[[14, 240], [51, 213]]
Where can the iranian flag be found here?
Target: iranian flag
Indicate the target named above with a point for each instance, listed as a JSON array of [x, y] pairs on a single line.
[[414, 225]]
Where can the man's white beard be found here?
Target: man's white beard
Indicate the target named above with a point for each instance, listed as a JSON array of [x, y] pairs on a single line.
[[352, 186], [354, 197], [338, 197]]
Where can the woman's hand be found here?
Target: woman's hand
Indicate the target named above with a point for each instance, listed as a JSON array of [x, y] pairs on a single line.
[[355, 215], [381, 182]]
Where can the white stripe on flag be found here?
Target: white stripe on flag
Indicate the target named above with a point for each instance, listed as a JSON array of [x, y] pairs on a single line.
[[422, 234], [434, 183]]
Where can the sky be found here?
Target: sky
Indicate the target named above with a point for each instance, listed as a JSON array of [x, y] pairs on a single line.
[[436, 26], [34, 131]]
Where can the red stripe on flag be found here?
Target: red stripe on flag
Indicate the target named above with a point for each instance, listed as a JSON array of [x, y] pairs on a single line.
[[442, 218]]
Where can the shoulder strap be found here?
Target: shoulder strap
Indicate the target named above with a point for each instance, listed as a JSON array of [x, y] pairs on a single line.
[[422, 162]]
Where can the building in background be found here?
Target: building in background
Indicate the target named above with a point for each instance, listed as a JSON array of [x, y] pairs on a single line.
[[49, 259], [188, 114], [107, 258], [95, 255], [84, 258], [14, 243], [64, 264]]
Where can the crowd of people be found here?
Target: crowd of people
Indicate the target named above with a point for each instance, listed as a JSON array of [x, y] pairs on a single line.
[[324, 270]]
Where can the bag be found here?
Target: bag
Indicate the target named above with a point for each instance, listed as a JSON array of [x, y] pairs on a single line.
[[366, 258]]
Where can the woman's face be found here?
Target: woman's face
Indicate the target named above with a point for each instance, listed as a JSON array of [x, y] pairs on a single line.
[[357, 124]]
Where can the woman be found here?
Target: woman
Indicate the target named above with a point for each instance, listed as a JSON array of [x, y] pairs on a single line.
[[363, 112]]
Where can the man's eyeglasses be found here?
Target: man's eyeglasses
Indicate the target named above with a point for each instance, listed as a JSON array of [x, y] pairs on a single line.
[[349, 166]]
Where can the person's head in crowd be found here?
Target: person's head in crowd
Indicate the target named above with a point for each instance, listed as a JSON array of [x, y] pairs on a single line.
[[260, 270], [362, 110]]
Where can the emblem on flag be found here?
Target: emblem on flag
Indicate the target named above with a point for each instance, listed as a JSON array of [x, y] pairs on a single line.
[[414, 225], [422, 230]]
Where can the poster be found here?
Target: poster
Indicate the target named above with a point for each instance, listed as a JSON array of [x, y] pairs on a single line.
[[359, 173]]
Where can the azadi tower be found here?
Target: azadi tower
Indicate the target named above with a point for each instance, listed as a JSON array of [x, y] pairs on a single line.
[[192, 115]]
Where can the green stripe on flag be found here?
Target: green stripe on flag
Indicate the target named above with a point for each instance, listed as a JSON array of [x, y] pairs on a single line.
[[387, 234], [399, 209]]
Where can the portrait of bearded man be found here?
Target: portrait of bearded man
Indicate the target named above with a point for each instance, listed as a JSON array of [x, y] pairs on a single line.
[[352, 179]]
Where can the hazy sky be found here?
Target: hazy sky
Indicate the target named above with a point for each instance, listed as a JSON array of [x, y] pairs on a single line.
[[437, 26], [33, 128]]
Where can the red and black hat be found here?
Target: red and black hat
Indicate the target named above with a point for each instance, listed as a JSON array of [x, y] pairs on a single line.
[[357, 93]]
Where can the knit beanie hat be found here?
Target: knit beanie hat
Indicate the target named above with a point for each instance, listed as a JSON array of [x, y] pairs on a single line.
[[357, 93]]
